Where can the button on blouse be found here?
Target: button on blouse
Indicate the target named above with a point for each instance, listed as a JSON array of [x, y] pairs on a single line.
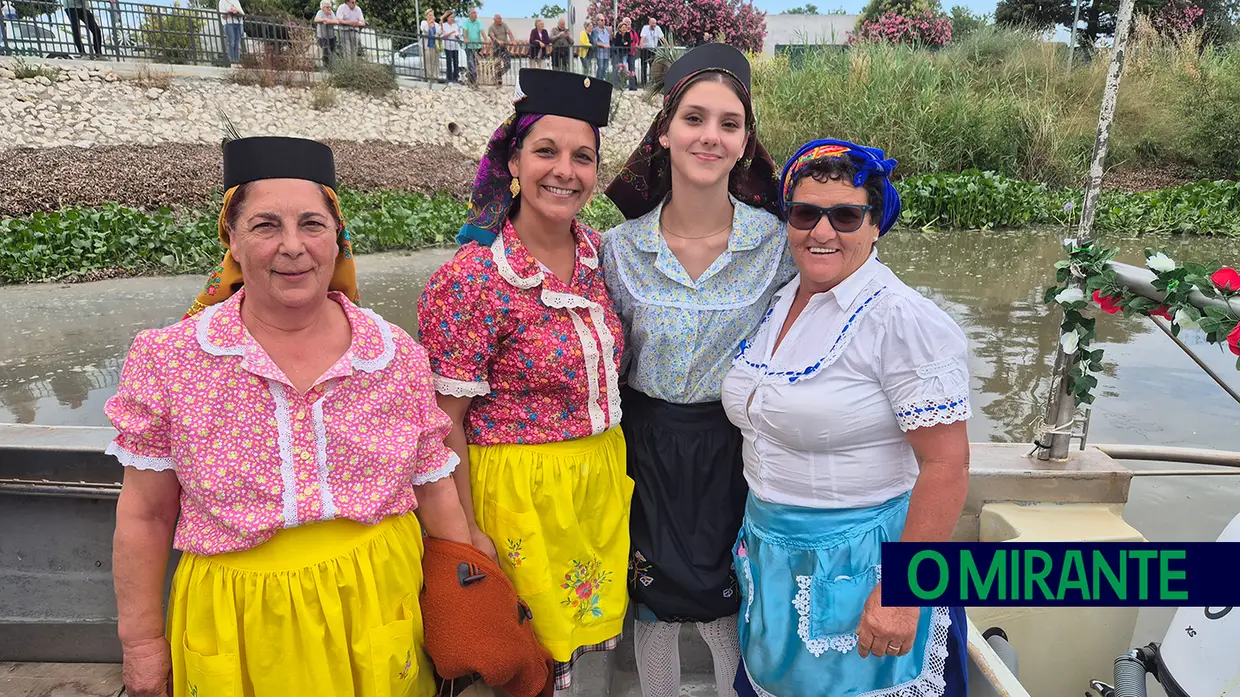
[[682, 333], [539, 357], [824, 416], [252, 454]]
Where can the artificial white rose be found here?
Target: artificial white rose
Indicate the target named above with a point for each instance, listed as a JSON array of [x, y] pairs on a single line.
[[1070, 295], [1070, 342], [1160, 262], [1184, 320]]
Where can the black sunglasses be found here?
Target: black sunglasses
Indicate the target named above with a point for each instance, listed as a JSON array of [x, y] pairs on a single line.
[[846, 217]]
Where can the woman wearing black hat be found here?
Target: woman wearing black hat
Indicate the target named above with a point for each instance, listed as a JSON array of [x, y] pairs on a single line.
[[525, 346], [692, 272], [281, 437]]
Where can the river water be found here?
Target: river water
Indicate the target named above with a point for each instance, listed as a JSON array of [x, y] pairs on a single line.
[[62, 348]]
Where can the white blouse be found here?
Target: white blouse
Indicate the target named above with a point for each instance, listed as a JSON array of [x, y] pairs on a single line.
[[823, 419]]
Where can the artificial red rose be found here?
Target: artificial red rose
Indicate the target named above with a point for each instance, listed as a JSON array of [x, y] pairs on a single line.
[[1106, 302], [1226, 278], [1162, 311], [1233, 340]]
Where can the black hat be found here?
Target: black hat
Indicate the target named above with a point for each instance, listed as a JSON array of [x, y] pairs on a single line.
[[560, 93], [720, 57], [270, 157]]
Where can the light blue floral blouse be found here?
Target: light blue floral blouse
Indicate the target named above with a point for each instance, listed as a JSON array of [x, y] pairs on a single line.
[[682, 334]]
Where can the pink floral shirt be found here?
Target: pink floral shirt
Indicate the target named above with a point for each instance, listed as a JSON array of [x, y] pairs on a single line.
[[540, 358], [253, 455]]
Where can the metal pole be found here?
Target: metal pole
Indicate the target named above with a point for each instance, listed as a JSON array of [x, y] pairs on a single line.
[[1213, 375], [1061, 409], [1076, 21]]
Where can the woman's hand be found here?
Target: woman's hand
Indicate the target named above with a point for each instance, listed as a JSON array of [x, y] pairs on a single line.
[[479, 539], [147, 667], [886, 631]]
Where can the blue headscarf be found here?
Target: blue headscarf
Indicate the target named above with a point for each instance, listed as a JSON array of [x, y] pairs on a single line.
[[869, 162]]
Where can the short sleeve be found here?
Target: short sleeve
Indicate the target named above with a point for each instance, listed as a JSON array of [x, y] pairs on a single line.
[[924, 365], [139, 409], [434, 459], [612, 253], [457, 328]]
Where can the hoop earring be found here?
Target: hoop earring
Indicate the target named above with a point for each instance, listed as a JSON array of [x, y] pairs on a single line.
[[515, 186]]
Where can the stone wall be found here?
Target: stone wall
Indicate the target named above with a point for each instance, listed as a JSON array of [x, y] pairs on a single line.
[[94, 106]]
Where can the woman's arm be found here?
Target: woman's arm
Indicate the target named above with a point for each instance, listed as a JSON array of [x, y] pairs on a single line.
[[934, 507], [441, 512], [145, 517], [455, 407]]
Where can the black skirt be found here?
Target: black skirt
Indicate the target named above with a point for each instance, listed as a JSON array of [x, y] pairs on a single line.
[[688, 501]]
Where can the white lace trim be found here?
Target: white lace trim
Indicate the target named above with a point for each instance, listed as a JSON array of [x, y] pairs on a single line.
[[437, 474], [930, 682], [284, 428], [749, 586], [461, 388], [592, 353], [204, 341], [320, 458], [505, 269], [590, 262], [371, 365], [937, 368], [139, 462], [933, 412]]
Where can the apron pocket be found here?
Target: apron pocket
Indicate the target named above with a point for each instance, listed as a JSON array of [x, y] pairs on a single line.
[[830, 609], [210, 676], [522, 549], [392, 658]]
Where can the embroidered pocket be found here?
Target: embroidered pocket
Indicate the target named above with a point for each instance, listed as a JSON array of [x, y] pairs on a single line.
[[393, 654], [210, 676], [830, 609], [522, 549]]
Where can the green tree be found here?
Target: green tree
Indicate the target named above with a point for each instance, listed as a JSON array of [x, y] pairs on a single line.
[[550, 12], [964, 22], [1039, 15], [803, 10], [402, 15], [877, 8]]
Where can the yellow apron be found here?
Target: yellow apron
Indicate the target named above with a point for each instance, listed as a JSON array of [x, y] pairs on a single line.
[[329, 608], [558, 514]]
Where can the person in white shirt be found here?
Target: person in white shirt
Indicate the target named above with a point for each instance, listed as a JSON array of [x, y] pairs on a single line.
[[430, 46], [349, 20], [230, 15], [852, 399], [450, 35], [651, 37], [325, 31]]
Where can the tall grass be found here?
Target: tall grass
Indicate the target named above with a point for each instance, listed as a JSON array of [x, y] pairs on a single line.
[[1005, 101]]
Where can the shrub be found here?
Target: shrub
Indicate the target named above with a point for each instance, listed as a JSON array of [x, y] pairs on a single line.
[[323, 97], [361, 76], [170, 34], [922, 29], [741, 24]]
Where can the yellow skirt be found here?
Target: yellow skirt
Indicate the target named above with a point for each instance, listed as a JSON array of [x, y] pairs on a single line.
[[559, 516], [329, 608]]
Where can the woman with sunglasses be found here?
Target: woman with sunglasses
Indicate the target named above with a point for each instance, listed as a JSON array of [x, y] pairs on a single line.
[[691, 272], [852, 398]]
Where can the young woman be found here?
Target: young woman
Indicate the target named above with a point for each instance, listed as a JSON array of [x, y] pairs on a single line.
[[525, 346], [691, 272]]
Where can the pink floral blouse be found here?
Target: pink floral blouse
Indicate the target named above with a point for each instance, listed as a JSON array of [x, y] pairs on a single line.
[[540, 357], [253, 455]]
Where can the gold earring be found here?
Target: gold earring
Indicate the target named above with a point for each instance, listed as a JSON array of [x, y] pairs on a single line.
[[515, 186]]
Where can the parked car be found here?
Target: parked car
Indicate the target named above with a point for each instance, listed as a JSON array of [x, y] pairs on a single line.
[[39, 41], [407, 62]]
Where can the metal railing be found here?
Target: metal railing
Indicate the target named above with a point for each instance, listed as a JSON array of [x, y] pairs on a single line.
[[125, 31]]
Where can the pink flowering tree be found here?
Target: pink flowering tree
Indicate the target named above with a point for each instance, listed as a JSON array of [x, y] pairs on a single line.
[[737, 22], [1177, 17], [926, 29]]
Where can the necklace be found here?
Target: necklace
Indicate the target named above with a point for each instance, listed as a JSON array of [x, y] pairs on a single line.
[[695, 237]]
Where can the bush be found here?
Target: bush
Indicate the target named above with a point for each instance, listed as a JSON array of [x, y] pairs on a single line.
[[170, 34], [741, 24], [923, 29], [1211, 114], [368, 78], [322, 97]]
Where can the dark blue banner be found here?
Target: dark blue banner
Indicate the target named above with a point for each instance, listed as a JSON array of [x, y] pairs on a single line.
[[991, 574]]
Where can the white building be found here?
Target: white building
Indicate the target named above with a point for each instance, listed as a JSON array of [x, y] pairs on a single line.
[[794, 30]]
